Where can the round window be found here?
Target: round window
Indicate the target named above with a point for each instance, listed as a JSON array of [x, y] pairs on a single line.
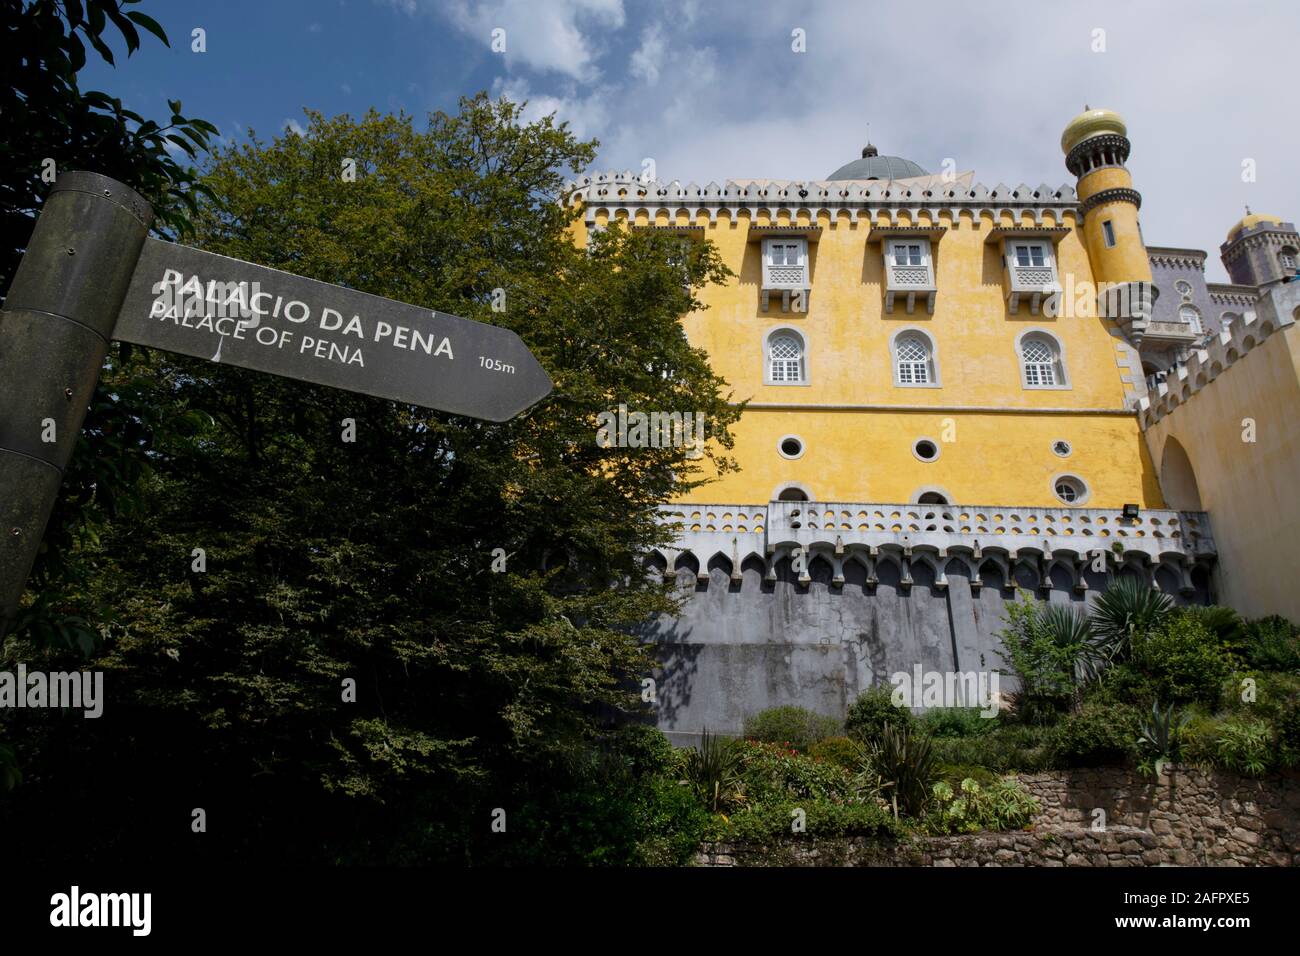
[[1070, 489], [1061, 447], [925, 449], [1184, 288], [791, 446]]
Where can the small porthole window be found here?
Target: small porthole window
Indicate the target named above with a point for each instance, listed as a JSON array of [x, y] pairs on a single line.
[[1070, 489], [791, 446], [1061, 447], [1184, 288], [925, 449]]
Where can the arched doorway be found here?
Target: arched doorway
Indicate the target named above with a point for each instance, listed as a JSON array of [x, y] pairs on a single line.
[[1178, 479]]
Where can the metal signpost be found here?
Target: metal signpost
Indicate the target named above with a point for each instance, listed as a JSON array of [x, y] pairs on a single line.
[[91, 274]]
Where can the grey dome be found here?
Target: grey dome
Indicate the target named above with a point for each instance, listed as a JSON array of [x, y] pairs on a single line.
[[874, 166]]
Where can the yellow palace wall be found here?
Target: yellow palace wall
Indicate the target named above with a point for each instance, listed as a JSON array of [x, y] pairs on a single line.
[[1002, 433]]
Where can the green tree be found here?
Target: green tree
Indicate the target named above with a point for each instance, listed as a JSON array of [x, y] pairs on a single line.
[[371, 561]]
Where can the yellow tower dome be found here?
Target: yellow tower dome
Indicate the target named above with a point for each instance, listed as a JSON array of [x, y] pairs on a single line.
[[1091, 123], [1250, 220]]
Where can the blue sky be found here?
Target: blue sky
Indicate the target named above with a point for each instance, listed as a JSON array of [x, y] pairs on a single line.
[[714, 90]]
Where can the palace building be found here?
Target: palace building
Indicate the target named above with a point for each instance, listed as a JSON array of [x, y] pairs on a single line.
[[956, 392]]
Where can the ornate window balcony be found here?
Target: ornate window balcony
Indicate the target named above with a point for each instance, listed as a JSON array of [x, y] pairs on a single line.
[[1028, 263], [908, 264], [786, 263]]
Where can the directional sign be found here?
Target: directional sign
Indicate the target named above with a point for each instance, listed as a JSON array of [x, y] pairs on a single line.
[[213, 307]]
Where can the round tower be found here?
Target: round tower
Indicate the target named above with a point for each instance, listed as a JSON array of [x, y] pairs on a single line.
[[1096, 147]]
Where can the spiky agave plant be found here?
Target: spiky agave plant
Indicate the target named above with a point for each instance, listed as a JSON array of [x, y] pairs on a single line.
[[713, 770], [1125, 609], [1159, 735], [1072, 635]]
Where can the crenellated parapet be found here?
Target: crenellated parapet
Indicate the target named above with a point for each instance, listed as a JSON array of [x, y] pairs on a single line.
[[1029, 546], [1273, 312], [616, 195]]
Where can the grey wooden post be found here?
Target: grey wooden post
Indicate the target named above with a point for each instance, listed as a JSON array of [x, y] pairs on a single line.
[[54, 330]]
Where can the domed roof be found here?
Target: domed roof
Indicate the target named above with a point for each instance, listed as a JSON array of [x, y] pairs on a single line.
[[874, 166], [1091, 123], [1250, 220]]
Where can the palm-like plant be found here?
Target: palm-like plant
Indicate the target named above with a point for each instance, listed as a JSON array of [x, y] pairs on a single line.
[[1123, 610], [714, 770], [903, 767]]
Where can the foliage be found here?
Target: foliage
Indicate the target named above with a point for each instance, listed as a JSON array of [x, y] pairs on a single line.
[[1272, 644], [1025, 747], [10, 773], [770, 822], [1159, 737], [1237, 743], [1050, 647], [873, 711], [798, 727], [942, 722], [1182, 659], [1095, 736], [841, 751], [1123, 612], [713, 770], [371, 560], [1288, 733], [1000, 805], [902, 768], [771, 772]]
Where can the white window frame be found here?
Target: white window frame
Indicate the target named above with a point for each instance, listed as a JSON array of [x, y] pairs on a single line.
[[1060, 370], [932, 360], [1108, 233], [1084, 491], [801, 338], [1195, 323], [922, 247], [785, 244], [1015, 245], [1286, 258]]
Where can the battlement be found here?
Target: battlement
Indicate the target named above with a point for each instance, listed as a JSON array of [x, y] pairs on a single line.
[[1273, 311]]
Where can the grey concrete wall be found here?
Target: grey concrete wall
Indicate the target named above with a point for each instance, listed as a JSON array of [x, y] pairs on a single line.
[[738, 648]]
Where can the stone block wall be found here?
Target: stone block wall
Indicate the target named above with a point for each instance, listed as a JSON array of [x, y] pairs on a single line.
[[1185, 817]]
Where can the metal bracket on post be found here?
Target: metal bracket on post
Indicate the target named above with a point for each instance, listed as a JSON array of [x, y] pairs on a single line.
[[54, 331]]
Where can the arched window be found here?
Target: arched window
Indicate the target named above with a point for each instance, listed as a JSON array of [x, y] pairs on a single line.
[[785, 358], [914, 362], [1191, 317], [1040, 361], [931, 498]]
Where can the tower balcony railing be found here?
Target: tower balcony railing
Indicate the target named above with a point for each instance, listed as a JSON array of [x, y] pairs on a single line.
[[1142, 538]]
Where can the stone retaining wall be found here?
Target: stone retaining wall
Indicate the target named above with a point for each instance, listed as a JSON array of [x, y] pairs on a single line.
[[1186, 817]]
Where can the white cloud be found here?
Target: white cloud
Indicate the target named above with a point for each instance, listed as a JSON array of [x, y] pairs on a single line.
[[293, 126], [587, 115], [648, 58]]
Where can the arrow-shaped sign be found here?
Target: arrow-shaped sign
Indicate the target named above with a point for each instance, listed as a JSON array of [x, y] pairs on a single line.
[[213, 307]]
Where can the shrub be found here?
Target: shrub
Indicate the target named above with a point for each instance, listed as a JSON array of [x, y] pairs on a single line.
[[770, 822], [840, 751], [902, 769], [1000, 805], [1288, 733], [770, 773], [1241, 744], [796, 726], [944, 722], [1050, 648], [1007, 747], [1272, 644], [1096, 736], [673, 822], [1125, 611], [1183, 660], [873, 711]]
